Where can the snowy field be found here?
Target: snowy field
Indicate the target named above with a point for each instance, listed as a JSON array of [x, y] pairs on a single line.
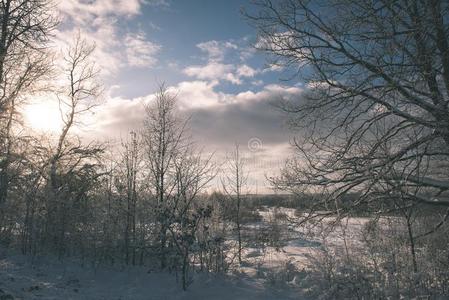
[[263, 275], [23, 279]]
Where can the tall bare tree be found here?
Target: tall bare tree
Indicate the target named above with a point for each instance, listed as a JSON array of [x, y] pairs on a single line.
[[234, 182], [129, 170], [164, 136], [70, 157], [25, 26], [78, 96], [375, 63], [193, 173]]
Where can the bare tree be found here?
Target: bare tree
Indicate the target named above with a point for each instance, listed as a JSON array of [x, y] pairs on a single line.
[[164, 136], [25, 29], [126, 182], [374, 64], [25, 26], [70, 157], [234, 182], [79, 96], [177, 174], [193, 173]]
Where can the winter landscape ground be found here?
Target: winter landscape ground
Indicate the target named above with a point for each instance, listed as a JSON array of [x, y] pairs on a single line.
[[45, 278], [269, 272]]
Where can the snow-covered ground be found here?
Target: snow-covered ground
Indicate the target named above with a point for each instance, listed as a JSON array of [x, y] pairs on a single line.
[[304, 241], [46, 278]]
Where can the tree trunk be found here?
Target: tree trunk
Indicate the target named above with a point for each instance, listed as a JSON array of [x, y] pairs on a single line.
[[185, 269], [239, 234], [412, 245]]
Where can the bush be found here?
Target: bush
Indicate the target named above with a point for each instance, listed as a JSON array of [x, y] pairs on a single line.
[[383, 268], [283, 275], [249, 216]]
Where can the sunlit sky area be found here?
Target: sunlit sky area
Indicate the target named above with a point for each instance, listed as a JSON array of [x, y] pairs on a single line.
[[202, 50]]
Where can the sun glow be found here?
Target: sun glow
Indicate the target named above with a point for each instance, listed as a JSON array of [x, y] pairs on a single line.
[[44, 117]]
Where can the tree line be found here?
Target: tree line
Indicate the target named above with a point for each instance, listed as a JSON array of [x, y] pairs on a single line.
[[144, 203]]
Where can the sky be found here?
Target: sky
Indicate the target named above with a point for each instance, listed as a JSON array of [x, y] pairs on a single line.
[[203, 51]]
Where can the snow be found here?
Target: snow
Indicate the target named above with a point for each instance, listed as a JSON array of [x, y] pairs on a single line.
[[46, 279]]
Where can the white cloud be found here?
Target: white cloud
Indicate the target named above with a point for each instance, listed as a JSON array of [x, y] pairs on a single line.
[[107, 53], [197, 94], [216, 50], [246, 71], [273, 68], [97, 21], [140, 52], [216, 68], [281, 89], [257, 82], [212, 70], [218, 120], [219, 71], [117, 115], [82, 12]]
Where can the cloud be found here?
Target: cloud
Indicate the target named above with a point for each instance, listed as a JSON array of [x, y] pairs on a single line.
[[215, 68], [107, 53], [217, 118], [246, 71], [139, 51], [82, 12], [197, 94], [216, 50], [99, 21], [273, 68], [219, 71], [213, 71]]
